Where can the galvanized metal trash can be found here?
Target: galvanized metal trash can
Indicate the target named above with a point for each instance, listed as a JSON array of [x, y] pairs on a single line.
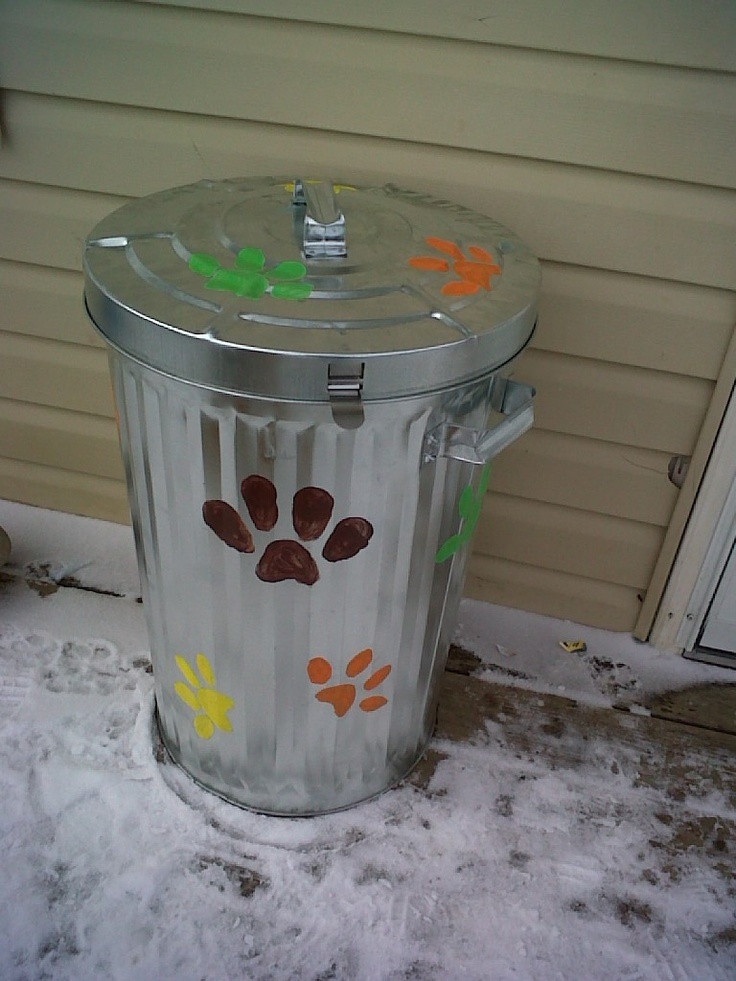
[[303, 373]]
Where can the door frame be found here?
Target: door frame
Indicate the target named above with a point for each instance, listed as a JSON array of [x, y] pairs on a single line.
[[705, 546]]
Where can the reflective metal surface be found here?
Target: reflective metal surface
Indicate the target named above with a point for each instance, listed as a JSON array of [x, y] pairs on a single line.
[[303, 374], [275, 745], [210, 283]]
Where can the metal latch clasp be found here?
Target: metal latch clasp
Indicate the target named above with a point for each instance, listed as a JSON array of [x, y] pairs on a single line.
[[345, 390]]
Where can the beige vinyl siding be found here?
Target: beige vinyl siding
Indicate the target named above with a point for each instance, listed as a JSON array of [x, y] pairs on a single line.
[[63, 489], [669, 32], [61, 438], [611, 152]]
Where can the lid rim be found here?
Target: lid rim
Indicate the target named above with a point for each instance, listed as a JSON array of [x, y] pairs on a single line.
[[455, 384], [269, 374], [180, 318]]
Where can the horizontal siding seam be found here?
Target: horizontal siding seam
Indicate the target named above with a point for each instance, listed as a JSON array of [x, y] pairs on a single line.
[[568, 510], [602, 583], [433, 38], [374, 135], [377, 137], [55, 468], [49, 343], [639, 583], [46, 186], [58, 408], [73, 471], [644, 277], [593, 363]]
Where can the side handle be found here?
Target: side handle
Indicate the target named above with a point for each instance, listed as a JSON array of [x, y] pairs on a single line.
[[514, 400]]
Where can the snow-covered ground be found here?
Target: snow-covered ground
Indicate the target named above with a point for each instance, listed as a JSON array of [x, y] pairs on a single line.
[[116, 866]]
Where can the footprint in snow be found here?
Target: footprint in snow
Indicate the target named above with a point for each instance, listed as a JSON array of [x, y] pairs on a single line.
[[88, 668]]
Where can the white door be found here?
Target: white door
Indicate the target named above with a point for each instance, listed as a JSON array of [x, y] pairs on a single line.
[[719, 629]]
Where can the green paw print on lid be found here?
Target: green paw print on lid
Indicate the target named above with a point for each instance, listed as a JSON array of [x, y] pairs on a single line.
[[249, 277]]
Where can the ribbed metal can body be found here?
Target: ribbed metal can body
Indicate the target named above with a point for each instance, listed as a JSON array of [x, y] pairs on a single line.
[[300, 581]]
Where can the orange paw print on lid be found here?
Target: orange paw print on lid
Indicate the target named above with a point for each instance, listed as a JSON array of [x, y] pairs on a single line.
[[473, 273], [341, 697]]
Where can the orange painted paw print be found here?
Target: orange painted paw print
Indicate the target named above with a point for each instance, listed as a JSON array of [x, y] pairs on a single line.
[[341, 697], [473, 273]]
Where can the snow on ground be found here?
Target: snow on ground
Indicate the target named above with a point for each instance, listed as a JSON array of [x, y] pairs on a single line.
[[116, 866], [523, 650]]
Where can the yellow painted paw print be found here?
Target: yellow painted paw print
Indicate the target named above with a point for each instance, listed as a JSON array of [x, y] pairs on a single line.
[[210, 705]]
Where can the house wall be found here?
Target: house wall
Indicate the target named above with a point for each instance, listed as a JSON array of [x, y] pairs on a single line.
[[602, 134]]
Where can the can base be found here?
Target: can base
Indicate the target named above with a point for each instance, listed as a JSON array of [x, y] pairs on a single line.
[[165, 754]]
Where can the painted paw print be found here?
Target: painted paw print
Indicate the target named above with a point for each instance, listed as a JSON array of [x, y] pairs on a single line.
[[341, 697], [284, 559], [210, 705], [473, 273], [249, 276], [469, 508]]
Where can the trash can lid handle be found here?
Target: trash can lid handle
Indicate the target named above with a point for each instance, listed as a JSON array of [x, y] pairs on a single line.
[[324, 223]]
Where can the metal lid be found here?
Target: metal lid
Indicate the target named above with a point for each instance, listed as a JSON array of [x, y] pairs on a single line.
[[310, 291]]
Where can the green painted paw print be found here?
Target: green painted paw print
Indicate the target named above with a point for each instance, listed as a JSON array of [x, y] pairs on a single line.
[[249, 277], [211, 706], [469, 508]]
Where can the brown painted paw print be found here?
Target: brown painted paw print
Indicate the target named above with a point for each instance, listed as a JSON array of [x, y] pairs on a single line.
[[311, 512], [341, 697]]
